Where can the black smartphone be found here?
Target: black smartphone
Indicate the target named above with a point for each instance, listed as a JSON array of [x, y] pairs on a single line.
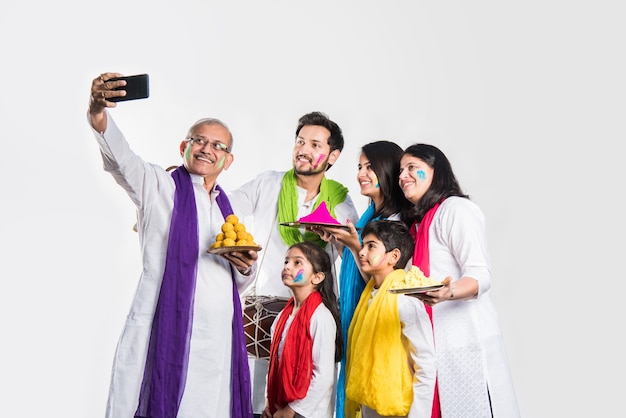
[[137, 87]]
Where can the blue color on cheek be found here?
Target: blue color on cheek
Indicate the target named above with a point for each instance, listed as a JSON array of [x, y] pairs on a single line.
[[299, 277], [421, 174]]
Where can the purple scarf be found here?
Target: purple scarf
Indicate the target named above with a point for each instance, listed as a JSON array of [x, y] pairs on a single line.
[[168, 351]]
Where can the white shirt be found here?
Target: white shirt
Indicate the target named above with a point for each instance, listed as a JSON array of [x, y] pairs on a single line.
[[258, 201], [470, 348], [319, 401], [151, 188]]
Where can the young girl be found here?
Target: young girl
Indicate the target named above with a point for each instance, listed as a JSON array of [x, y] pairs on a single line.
[[390, 349], [306, 339]]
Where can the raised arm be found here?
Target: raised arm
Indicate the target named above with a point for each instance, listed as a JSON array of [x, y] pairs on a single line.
[[100, 92]]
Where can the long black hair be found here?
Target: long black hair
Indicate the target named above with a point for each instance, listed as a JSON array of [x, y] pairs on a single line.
[[320, 260], [444, 183], [384, 158]]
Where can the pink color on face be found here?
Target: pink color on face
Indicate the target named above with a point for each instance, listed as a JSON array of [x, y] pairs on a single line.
[[319, 160]]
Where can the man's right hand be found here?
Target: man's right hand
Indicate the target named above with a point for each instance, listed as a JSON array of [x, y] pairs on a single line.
[[101, 90]]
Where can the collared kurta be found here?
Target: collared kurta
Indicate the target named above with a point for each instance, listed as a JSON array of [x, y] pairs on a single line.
[[151, 188], [470, 348], [259, 199]]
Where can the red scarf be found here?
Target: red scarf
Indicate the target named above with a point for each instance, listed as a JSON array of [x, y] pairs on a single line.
[[421, 259], [289, 378]]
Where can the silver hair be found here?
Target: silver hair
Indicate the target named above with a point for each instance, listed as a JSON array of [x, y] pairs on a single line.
[[212, 121]]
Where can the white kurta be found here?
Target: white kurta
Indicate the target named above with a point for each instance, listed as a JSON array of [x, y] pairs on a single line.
[[151, 188], [417, 329], [319, 401], [470, 348], [258, 199]]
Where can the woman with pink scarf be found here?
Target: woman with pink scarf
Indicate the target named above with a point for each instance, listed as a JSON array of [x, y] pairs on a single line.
[[473, 376]]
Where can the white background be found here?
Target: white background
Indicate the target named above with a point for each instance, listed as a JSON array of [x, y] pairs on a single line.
[[525, 98]]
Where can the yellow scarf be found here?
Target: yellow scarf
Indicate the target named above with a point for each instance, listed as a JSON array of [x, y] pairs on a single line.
[[378, 373]]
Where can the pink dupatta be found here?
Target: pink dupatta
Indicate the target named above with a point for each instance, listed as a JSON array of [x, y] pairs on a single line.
[[421, 259]]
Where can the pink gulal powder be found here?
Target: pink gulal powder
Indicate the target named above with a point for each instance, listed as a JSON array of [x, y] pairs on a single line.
[[320, 215]]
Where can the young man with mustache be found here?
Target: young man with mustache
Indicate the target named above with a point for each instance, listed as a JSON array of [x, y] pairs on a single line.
[[274, 197]]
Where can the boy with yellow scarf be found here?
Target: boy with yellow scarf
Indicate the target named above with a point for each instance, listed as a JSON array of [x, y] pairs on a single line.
[[390, 365]]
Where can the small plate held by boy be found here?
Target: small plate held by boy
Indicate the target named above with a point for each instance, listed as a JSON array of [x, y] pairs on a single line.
[[422, 289]]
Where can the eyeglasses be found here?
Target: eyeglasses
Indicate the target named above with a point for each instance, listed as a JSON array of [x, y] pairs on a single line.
[[215, 145]]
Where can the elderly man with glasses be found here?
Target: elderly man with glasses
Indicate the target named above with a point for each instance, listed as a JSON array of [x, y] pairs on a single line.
[[182, 351]]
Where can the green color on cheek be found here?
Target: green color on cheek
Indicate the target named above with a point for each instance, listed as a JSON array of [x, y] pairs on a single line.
[[221, 163]]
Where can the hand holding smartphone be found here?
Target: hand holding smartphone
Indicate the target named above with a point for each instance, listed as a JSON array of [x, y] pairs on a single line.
[[137, 87]]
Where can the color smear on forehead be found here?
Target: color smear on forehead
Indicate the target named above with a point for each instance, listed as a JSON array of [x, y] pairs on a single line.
[[421, 174], [299, 277], [319, 160]]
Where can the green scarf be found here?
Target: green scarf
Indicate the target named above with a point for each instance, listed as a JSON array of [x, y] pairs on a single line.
[[332, 192]]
